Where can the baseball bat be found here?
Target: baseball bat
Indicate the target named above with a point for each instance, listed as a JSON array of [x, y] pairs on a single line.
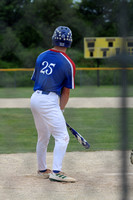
[[78, 137]]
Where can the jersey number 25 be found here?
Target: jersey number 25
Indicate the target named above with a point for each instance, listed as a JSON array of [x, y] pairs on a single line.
[[48, 68]]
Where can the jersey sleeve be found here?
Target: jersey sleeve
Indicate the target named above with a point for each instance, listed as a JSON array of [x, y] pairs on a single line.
[[70, 76]]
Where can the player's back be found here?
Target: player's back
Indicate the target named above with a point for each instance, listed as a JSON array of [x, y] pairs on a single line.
[[51, 71]]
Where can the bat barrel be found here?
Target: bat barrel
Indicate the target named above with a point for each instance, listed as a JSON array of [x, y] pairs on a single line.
[[79, 137]]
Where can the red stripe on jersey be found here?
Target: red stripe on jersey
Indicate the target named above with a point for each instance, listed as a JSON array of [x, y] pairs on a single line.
[[71, 63]]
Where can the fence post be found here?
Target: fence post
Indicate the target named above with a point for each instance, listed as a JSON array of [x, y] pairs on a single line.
[[98, 72]]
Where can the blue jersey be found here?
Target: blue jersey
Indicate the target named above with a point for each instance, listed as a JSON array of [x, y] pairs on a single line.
[[53, 71]]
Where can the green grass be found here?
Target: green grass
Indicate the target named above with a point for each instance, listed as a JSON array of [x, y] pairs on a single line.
[[100, 127], [79, 91]]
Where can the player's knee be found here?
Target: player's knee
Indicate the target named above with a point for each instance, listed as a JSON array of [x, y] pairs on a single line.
[[63, 141], [66, 139], [43, 142]]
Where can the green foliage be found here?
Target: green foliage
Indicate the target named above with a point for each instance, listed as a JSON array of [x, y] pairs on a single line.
[[27, 57], [29, 37], [9, 45], [5, 64], [102, 16], [11, 11], [50, 11], [26, 26], [75, 54]]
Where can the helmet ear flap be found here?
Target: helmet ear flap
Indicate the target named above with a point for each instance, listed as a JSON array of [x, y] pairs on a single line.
[[62, 37]]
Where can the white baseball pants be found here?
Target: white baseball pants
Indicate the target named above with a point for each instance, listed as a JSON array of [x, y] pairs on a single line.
[[49, 120]]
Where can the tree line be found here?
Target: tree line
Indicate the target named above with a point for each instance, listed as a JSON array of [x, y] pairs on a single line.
[[26, 26]]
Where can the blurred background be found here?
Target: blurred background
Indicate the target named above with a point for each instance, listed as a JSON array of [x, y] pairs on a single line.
[[26, 28]]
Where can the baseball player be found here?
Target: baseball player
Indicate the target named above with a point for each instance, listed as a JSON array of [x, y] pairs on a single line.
[[54, 77]]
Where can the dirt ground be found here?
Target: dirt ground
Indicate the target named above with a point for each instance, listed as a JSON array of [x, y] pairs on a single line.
[[78, 102], [98, 177]]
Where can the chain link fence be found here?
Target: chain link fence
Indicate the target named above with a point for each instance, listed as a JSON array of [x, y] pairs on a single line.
[[84, 76]]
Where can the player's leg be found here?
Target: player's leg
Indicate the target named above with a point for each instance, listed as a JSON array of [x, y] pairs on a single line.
[[61, 144], [61, 137], [61, 141], [42, 142], [42, 130]]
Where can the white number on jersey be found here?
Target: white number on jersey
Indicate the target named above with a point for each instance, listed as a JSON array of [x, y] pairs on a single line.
[[47, 69]]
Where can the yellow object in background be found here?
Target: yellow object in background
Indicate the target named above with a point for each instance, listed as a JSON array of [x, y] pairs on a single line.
[[101, 47]]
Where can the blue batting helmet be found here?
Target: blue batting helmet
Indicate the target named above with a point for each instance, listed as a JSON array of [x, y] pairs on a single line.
[[62, 37]]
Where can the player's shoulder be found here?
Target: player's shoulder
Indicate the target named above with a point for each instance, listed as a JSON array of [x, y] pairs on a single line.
[[44, 52], [63, 55], [41, 56], [68, 58]]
